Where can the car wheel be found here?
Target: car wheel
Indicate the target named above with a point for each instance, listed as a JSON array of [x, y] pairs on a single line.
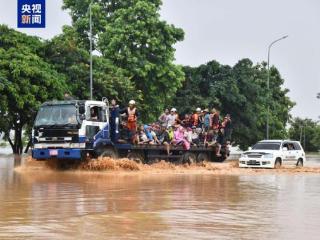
[[277, 163], [300, 163]]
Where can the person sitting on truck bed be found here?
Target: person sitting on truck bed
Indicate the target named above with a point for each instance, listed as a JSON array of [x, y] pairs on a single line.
[[195, 136], [142, 138], [179, 138], [164, 138]]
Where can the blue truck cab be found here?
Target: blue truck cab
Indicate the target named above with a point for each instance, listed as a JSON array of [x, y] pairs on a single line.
[[71, 129]]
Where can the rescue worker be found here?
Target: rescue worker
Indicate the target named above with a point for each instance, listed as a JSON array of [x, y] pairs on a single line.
[[132, 114], [196, 118]]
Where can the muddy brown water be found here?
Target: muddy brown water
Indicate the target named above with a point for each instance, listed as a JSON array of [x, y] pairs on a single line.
[[47, 204]]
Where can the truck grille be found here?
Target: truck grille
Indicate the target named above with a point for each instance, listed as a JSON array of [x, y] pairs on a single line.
[[57, 135]]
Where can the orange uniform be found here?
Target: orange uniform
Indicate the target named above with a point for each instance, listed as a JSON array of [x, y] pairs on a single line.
[[132, 119]]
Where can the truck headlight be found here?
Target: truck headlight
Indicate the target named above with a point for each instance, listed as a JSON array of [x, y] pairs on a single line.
[[243, 155], [268, 155]]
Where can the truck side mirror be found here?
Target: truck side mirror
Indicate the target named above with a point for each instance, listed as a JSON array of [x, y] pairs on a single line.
[[285, 149], [82, 110], [249, 148]]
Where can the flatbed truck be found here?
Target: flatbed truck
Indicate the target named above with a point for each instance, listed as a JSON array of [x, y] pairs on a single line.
[[65, 130]]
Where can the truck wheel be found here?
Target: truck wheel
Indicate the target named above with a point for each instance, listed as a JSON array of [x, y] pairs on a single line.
[[300, 163], [277, 163], [189, 158], [109, 152], [136, 156], [202, 157]]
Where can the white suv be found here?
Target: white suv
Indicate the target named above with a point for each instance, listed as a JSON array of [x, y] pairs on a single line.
[[273, 154]]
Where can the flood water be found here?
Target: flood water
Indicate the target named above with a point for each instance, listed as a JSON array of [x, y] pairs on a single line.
[[85, 205]]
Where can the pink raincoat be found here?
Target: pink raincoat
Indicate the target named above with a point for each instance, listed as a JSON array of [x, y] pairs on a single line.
[[180, 139]]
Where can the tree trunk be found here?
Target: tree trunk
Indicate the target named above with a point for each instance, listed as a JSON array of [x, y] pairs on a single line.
[[18, 140], [16, 145]]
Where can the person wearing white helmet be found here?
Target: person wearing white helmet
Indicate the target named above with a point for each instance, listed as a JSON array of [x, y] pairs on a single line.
[[132, 114], [171, 119], [196, 118]]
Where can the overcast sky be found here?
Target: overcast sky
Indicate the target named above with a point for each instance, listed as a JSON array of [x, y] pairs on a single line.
[[228, 30]]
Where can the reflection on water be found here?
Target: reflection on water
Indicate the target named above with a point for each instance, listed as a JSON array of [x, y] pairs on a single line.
[[73, 205]]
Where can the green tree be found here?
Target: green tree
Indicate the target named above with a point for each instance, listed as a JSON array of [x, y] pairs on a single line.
[[307, 131], [131, 35], [68, 56], [26, 81], [239, 91]]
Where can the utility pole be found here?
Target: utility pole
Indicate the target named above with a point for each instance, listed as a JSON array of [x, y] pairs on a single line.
[[304, 138], [91, 97], [268, 83]]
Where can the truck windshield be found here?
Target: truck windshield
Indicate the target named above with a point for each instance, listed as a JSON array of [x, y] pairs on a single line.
[[266, 146], [56, 115]]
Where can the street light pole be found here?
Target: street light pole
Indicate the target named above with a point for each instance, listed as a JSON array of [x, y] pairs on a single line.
[[268, 82], [91, 97]]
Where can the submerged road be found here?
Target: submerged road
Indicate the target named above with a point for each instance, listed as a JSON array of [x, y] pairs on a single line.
[[87, 205]]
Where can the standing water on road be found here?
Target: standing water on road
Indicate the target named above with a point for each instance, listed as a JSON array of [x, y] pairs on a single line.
[[47, 204]]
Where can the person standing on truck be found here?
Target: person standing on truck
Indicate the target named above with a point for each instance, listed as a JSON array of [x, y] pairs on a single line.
[[114, 121], [187, 121], [215, 119], [206, 120], [226, 125], [132, 114], [196, 118], [172, 117], [163, 119], [215, 122]]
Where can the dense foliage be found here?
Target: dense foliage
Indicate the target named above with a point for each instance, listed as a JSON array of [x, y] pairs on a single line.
[[65, 53], [241, 91], [26, 82], [132, 37], [134, 59], [306, 131]]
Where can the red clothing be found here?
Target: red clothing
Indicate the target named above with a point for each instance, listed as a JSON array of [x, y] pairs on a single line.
[[132, 119], [195, 119]]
